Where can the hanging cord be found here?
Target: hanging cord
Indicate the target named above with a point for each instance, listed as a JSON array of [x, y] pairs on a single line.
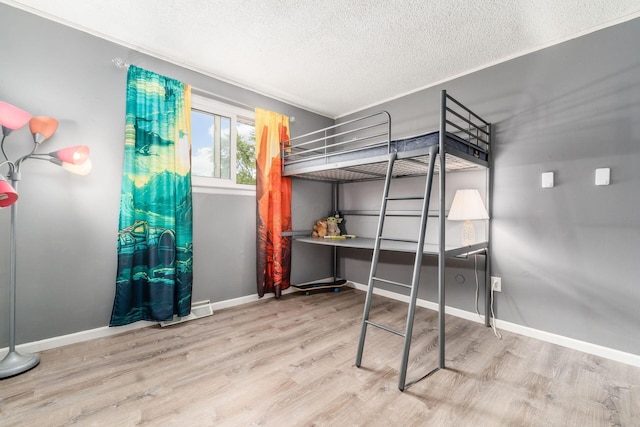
[[475, 270], [493, 316], [493, 320]]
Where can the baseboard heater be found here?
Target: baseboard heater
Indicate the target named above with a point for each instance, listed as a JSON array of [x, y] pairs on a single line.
[[198, 310]]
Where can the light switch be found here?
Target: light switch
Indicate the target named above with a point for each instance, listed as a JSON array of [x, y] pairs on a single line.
[[603, 176], [547, 180]]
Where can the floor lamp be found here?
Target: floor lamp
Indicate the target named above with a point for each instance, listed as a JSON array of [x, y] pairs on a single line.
[[74, 159]]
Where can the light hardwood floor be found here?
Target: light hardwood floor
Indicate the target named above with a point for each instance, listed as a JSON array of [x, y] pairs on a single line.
[[290, 362]]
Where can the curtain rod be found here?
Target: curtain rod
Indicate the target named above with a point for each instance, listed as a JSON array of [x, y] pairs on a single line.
[[119, 63]]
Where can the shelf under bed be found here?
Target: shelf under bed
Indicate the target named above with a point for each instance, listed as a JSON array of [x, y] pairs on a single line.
[[368, 243]]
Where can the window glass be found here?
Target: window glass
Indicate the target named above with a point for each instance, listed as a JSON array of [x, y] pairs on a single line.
[[222, 145], [246, 154], [201, 144], [211, 145]]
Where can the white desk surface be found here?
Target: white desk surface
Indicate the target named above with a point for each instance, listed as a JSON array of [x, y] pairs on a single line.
[[385, 245]]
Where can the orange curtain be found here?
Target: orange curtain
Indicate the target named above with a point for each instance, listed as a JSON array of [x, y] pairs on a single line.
[[273, 193]]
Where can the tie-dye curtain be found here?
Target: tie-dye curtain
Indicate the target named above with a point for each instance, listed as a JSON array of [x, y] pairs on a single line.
[[155, 230], [273, 193]]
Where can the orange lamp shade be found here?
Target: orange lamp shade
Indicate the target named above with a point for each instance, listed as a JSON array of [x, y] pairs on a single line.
[[12, 117], [8, 195], [75, 155], [42, 127]]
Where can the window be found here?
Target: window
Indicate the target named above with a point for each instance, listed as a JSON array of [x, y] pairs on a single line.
[[222, 146]]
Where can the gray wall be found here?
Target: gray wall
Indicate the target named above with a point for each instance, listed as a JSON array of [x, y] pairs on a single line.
[[567, 255], [68, 224]]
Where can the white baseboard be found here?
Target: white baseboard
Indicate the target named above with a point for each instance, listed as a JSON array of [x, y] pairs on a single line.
[[246, 299], [422, 303], [105, 331], [76, 337], [585, 347]]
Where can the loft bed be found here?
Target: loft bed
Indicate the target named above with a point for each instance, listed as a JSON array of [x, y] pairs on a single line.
[[362, 150], [358, 149]]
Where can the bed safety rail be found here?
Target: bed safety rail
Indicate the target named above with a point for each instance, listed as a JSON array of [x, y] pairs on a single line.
[[466, 124], [351, 136]]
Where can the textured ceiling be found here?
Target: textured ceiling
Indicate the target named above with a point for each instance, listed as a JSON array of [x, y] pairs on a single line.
[[335, 56]]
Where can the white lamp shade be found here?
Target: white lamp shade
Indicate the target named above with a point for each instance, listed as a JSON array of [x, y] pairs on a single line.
[[467, 205], [81, 169]]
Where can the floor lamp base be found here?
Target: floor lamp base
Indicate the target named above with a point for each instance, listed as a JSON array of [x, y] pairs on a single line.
[[15, 363]]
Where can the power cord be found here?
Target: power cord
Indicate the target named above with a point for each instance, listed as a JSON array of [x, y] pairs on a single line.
[[475, 269], [493, 318], [493, 315]]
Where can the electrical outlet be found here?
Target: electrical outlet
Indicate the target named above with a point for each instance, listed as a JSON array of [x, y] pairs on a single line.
[[496, 284]]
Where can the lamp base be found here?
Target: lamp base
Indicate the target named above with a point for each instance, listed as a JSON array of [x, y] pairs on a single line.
[[468, 234], [15, 363]]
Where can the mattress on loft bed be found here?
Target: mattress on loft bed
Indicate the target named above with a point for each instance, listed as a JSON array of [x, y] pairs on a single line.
[[400, 145]]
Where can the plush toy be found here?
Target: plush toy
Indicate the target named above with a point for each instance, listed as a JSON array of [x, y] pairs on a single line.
[[341, 223], [327, 227], [332, 226], [320, 228]]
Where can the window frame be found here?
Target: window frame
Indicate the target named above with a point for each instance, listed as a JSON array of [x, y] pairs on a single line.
[[210, 185]]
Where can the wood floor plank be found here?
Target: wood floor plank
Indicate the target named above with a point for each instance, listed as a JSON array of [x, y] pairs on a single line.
[[290, 362]]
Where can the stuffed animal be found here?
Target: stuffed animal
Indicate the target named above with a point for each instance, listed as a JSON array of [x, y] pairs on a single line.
[[327, 227], [320, 228], [332, 226]]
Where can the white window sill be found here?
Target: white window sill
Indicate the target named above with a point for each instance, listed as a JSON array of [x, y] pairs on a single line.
[[231, 189]]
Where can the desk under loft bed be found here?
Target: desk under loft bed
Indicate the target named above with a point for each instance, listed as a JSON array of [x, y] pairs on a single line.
[[361, 150]]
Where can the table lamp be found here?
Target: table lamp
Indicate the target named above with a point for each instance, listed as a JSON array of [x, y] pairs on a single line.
[[467, 206]]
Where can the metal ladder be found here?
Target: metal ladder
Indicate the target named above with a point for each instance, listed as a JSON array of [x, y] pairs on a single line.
[[413, 286]]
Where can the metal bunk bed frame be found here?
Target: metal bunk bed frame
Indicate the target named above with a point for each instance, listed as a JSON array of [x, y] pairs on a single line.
[[320, 155]]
